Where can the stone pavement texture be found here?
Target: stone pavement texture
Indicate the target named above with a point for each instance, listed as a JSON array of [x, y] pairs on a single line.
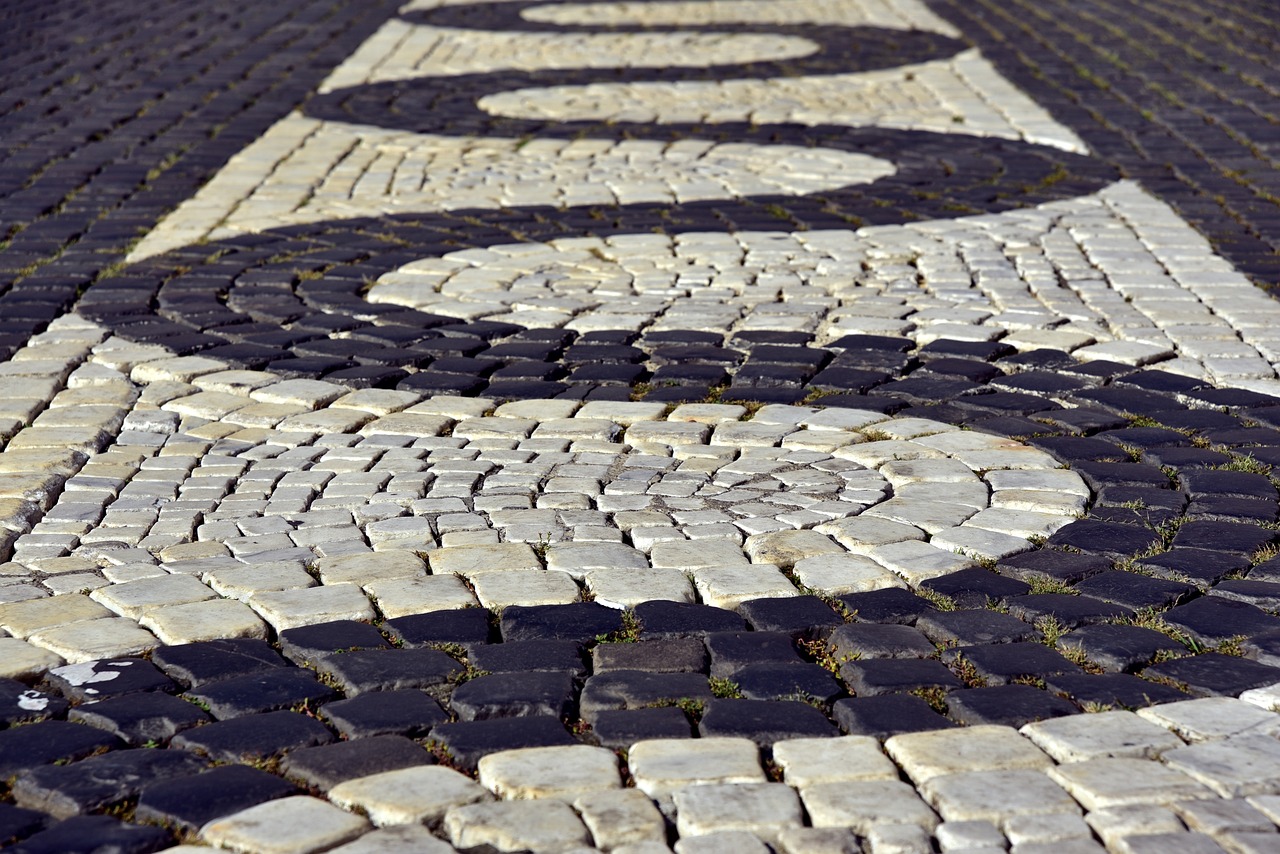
[[724, 425]]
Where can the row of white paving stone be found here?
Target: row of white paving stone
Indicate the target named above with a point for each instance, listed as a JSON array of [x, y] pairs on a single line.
[[1195, 776], [304, 171], [228, 498], [1117, 276]]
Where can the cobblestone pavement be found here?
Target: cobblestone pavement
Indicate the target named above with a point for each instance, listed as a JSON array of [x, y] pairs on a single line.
[[705, 426]]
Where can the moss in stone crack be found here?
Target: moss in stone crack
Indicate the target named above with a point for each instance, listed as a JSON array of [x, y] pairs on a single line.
[[724, 688], [628, 633], [941, 601], [934, 696]]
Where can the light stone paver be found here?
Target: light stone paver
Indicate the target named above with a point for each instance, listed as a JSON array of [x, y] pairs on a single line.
[[621, 817], [400, 597], [1212, 717], [203, 621], [995, 796], [866, 804], [729, 586], [763, 809], [925, 755], [660, 768], [806, 761], [409, 795], [524, 587], [516, 825], [135, 599], [287, 609], [472, 561], [564, 773], [1106, 783], [363, 569], [406, 839], [93, 639], [1233, 767], [297, 824], [1105, 734]]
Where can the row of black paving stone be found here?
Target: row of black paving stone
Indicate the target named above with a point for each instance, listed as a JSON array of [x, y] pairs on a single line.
[[112, 115], [1183, 97]]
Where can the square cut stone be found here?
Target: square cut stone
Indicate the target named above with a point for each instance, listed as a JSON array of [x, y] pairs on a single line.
[[212, 619], [564, 773], [996, 796], [21, 619], [400, 597], [288, 609], [285, 826], [524, 587], [784, 548], [662, 766], [729, 586], [1105, 783], [1075, 738], [1212, 717], [1113, 825], [309, 393], [371, 566], [918, 562], [863, 804], [806, 761], [618, 817], [1227, 815], [517, 826], [133, 599], [688, 555], [578, 559], [112, 637], [924, 755], [414, 424], [473, 561], [619, 587], [420, 795], [1233, 767], [24, 662], [838, 574], [1049, 829], [242, 581], [763, 809]]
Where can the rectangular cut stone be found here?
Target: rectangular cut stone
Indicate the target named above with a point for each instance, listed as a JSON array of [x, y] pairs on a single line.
[[87, 641], [563, 773], [421, 794], [924, 755], [1233, 767], [661, 766], [996, 796], [287, 609], [298, 823], [763, 809], [400, 597], [1212, 717], [1075, 738], [365, 568], [1105, 783], [618, 817], [729, 586], [136, 598], [21, 619], [806, 761], [863, 804], [472, 561]]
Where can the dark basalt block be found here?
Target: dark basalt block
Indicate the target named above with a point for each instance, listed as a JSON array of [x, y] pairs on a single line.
[[141, 718], [366, 670], [1112, 690], [254, 737], [877, 640], [468, 741], [764, 722], [20, 704], [1120, 648], [1260, 594], [1134, 591], [47, 742], [887, 716], [1104, 538], [675, 655], [580, 621], [1233, 537], [17, 823], [890, 605], [189, 803], [1069, 611], [1199, 567], [810, 683], [523, 656], [88, 834], [1211, 620], [1002, 663], [407, 713], [680, 619], [1050, 565], [974, 587], [98, 680], [308, 644], [973, 627], [730, 651], [328, 765], [261, 692], [878, 676], [1211, 674], [97, 782], [620, 730], [618, 690], [465, 626], [1006, 705], [509, 695]]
